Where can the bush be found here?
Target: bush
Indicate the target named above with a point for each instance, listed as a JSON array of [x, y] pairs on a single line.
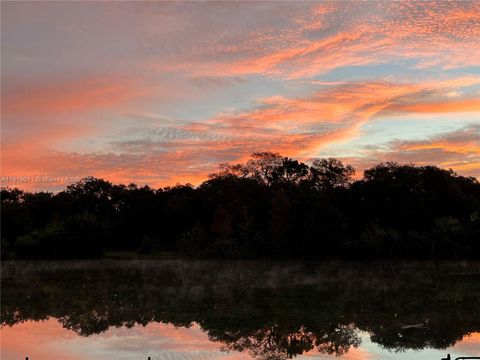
[[149, 244], [79, 236]]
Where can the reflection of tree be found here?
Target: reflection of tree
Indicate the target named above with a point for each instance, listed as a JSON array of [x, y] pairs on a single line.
[[273, 311], [339, 340], [270, 343], [274, 342]]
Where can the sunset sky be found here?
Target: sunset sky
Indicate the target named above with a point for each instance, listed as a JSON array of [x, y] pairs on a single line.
[[159, 93]]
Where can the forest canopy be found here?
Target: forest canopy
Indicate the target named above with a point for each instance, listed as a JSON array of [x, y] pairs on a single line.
[[269, 207]]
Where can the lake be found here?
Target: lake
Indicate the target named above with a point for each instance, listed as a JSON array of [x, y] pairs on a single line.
[[189, 309]]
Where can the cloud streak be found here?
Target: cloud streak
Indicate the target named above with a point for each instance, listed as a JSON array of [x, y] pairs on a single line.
[[458, 150]]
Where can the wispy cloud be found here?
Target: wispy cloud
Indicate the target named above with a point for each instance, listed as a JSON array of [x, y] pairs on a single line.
[[458, 150]]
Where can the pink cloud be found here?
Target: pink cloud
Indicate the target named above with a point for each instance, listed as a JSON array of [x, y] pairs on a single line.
[[440, 34]]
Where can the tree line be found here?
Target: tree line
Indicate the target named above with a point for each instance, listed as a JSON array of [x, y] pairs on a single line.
[[269, 207]]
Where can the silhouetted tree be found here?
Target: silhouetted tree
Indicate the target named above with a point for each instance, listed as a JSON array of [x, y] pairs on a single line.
[[329, 173]]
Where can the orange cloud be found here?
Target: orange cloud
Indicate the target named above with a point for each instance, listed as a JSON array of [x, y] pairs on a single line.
[[466, 148], [458, 150], [39, 115], [463, 105], [65, 97]]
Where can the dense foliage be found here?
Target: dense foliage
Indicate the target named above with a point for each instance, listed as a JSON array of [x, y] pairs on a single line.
[[269, 207]]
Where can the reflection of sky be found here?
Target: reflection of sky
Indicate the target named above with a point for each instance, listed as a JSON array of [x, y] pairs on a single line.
[[48, 340], [82, 80]]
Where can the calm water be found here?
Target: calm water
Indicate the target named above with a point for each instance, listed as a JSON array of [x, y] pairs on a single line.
[[241, 310]]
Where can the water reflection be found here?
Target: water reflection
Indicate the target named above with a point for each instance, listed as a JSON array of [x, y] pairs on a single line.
[[265, 310]]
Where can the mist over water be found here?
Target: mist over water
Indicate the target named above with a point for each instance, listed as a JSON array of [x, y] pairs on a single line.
[[179, 309]]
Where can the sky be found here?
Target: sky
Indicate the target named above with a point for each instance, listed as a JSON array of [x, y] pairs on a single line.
[[160, 93]]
